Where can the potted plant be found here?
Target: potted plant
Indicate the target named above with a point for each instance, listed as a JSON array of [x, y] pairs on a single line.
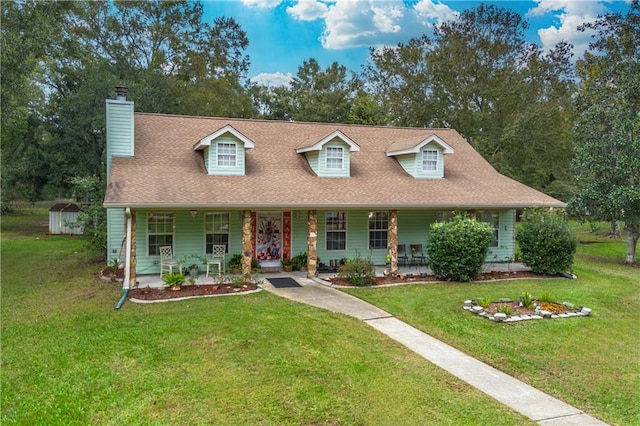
[[287, 265], [174, 280]]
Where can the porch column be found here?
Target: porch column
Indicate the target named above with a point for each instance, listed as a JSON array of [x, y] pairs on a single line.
[[392, 237], [132, 254], [312, 241], [247, 246]]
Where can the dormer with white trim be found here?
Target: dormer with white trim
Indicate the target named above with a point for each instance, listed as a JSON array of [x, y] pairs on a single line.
[[224, 151], [421, 157], [331, 155]]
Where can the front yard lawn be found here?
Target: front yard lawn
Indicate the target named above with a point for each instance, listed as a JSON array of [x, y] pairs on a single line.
[[592, 363], [69, 358]]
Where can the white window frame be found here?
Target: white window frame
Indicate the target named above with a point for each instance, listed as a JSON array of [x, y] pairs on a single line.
[[209, 229], [492, 217], [334, 158], [380, 222], [429, 163], [167, 229], [335, 224], [224, 155]]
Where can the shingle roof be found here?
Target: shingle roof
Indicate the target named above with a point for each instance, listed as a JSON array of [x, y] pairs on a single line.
[[167, 172]]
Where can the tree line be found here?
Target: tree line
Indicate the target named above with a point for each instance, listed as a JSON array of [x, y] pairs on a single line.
[[568, 128]]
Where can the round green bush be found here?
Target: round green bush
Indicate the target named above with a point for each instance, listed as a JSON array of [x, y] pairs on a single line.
[[457, 248], [546, 241]]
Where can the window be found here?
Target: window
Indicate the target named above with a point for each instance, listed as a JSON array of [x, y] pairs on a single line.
[[216, 229], [336, 229], [493, 219], [159, 232], [226, 154], [334, 157], [378, 230], [443, 216], [429, 160]]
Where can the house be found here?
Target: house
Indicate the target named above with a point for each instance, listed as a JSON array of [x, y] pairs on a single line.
[[271, 189], [63, 219]]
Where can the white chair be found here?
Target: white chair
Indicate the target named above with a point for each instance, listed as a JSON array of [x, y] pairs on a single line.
[[167, 262], [217, 258]]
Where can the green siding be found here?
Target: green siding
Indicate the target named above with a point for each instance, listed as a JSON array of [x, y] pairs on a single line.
[[115, 233], [120, 132], [429, 174], [412, 163], [322, 164], [119, 129], [506, 239], [189, 237], [212, 161], [313, 157], [317, 160]]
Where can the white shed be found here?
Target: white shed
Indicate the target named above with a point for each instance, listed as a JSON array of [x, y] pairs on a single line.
[[61, 216]]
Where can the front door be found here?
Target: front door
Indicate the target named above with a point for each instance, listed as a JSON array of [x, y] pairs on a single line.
[[269, 236]]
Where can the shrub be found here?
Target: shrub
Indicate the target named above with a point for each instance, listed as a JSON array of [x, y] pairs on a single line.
[[526, 300], [483, 301], [547, 242], [457, 248], [505, 309], [546, 297], [358, 271], [299, 261]]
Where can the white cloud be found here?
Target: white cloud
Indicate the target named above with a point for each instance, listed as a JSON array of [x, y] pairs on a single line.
[[262, 4], [275, 79], [570, 14], [438, 12], [364, 23], [308, 10]]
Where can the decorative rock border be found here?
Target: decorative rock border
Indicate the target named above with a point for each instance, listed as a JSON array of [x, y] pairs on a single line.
[[471, 306]]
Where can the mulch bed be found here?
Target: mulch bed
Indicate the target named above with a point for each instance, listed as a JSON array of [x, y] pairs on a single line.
[[164, 293], [416, 278]]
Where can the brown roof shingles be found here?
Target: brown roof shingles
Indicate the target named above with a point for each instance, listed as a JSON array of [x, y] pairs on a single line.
[[166, 171]]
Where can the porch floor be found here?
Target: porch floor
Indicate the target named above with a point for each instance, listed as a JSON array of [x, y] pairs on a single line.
[[154, 280]]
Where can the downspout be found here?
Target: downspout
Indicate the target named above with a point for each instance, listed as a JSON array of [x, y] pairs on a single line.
[[126, 285]]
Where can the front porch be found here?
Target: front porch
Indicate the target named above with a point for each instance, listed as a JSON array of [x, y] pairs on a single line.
[[154, 280]]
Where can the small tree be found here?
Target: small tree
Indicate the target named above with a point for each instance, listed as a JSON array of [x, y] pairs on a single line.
[[457, 248], [90, 192], [358, 271], [547, 242]]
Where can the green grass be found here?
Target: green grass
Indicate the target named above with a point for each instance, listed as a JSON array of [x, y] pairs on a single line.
[[69, 358], [592, 363]]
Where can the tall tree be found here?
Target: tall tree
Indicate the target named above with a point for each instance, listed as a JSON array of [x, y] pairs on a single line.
[[313, 95], [607, 161], [480, 76], [76, 52], [400, 83]]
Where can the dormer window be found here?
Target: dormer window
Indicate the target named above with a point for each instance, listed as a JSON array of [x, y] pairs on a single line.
[[335, 157], [421, 157], [224, 151], [429, 160], [227, 154], [331, 155]]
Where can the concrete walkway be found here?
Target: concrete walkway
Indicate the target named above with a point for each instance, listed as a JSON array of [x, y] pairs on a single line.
[[523, 398]]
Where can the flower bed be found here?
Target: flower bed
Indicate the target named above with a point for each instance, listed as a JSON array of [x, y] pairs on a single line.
[[507, 310]]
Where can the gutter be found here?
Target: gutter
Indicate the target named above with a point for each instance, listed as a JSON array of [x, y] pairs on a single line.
[[327, 206], [126, 284]]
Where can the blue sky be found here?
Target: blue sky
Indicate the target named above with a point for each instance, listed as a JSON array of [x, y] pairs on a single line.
[[284, 33]]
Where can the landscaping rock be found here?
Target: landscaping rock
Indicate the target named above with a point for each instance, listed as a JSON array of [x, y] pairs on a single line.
[[546, 314], [500, 316], [586, 311]]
